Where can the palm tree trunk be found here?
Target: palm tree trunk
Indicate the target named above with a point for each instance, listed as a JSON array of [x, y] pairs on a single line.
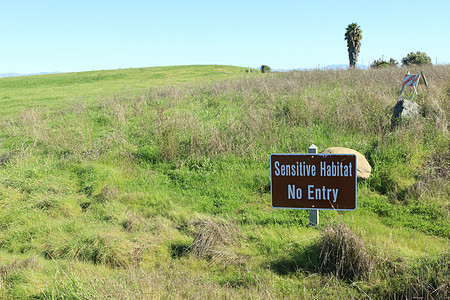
[[353, 53], [353, 58]]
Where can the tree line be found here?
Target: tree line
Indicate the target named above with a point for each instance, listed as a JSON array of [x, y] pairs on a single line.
[[353, 36]]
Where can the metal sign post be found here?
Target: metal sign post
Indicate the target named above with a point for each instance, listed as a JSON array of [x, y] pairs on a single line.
[[313, 213]]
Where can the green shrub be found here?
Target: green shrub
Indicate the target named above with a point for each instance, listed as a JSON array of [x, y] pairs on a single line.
[[381, 63], [265, 69], [418, 58]]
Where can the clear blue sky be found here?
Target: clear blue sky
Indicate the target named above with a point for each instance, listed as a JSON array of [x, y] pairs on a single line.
[[46, 35]]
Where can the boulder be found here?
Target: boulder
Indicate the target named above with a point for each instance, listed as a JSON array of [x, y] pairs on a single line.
[[362, 165], [404, 109]]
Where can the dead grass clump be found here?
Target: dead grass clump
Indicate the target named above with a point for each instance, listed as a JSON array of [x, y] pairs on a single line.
[[6, 157], [108, 193], [430, 280], [17, 265], [214, 239], [343, 253], [434, 176], [135, 222], [112, 249], [33, 123]]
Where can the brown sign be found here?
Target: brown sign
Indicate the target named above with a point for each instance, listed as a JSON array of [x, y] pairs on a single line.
[[313, 181]]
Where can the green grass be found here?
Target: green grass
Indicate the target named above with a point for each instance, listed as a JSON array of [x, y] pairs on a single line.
[[104, 176], [56, 90]]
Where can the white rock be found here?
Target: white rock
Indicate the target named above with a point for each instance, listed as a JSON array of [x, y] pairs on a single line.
[[362, 165]]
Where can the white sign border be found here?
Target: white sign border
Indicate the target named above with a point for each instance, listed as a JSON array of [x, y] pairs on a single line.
[[312, 155]]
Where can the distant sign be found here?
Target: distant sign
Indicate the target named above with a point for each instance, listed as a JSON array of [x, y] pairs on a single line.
[[313, 181], [411, 79]]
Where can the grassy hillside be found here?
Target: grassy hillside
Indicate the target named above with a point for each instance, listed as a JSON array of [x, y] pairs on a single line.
[[155, 183], [52, 91]]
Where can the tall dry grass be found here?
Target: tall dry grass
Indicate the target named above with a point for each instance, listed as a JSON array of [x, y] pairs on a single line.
[[239, 116]]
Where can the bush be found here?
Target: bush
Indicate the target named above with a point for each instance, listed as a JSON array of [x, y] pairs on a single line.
[[381, 63], [265, 69], [418, 58]]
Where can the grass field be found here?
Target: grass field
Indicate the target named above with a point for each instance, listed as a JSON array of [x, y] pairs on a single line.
[[155, 183], [52, 91]]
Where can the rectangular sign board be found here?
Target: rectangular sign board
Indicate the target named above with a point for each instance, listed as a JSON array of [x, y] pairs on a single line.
[[313, 181]]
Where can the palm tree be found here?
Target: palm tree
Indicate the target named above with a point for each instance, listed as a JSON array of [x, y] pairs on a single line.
[[353, 35]]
